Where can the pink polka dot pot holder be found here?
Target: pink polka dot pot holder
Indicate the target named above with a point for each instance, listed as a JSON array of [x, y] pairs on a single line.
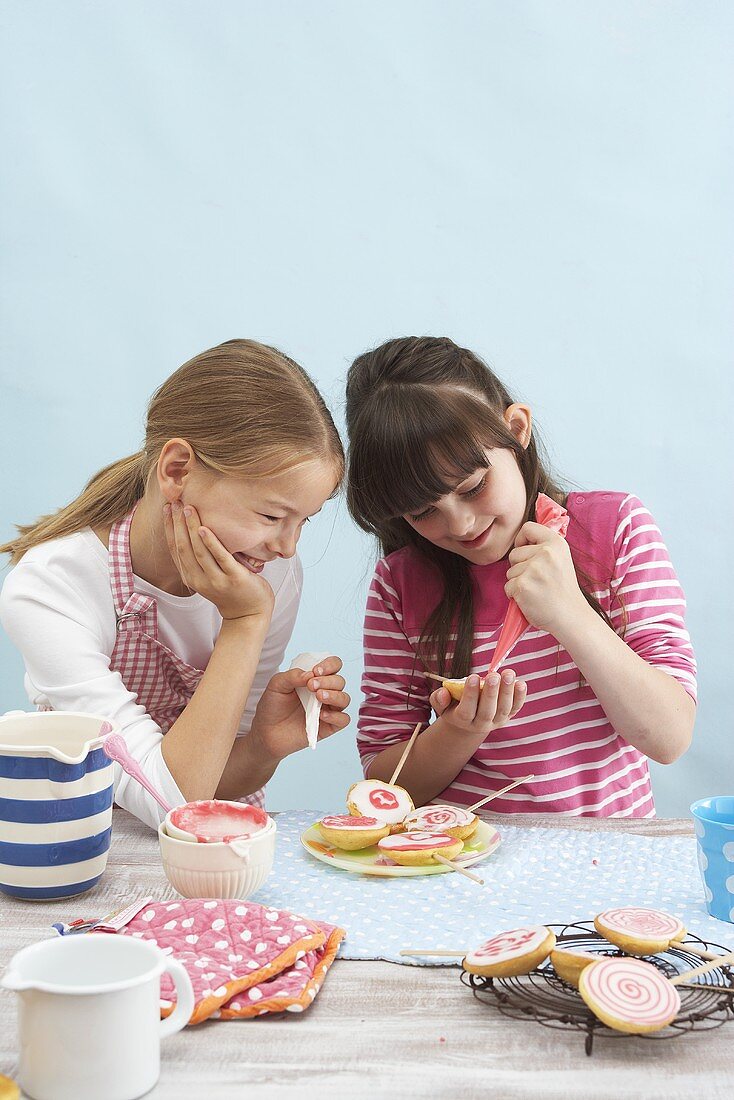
[[243, 959]]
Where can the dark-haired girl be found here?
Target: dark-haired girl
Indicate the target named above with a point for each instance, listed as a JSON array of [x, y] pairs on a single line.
[[444, 469]]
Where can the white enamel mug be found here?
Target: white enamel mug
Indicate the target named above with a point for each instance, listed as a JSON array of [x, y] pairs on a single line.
[[89, 1016]]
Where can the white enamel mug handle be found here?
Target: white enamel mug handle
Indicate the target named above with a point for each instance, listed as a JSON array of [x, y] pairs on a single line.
[[184, 1000]]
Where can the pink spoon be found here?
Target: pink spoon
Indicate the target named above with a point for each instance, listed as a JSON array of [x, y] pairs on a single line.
[[117, 750]]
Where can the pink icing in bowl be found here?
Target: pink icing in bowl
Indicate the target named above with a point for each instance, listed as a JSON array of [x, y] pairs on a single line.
[[213, 820]]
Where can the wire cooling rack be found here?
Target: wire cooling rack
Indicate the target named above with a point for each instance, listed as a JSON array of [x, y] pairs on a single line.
[[543, 996]]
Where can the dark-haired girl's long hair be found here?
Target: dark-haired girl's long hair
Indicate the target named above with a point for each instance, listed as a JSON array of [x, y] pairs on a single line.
[[421, 414]]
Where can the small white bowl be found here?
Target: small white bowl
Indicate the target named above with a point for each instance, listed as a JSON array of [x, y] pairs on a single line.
[[218, 870], [184, 834]]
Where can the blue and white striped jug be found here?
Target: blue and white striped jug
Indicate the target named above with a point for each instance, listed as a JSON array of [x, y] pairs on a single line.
[[56, 793]]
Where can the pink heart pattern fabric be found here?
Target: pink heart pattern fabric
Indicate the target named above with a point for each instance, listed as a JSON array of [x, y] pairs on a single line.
[[243, 959], [290, 991]]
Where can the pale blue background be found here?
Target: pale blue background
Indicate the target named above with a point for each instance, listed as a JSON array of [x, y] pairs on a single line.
[[548, 183]]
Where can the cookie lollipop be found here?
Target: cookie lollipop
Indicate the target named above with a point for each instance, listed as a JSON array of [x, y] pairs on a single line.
[[352, 833], [8, 1089], [451, 820], [629, 995], [417, 849], [510, 953], [639, 931], [455, 688], [569, 964], [387, 802]]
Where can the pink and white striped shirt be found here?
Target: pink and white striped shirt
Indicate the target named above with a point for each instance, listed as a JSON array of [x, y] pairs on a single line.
[[562, 735]]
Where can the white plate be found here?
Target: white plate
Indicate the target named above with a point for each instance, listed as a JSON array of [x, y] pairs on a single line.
[[368, 861]]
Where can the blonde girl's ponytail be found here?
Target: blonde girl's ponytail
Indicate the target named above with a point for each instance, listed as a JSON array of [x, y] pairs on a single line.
[[245, 408], [110, 494]]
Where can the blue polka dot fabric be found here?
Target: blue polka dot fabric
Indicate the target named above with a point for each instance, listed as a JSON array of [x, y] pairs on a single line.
[[536, 876]]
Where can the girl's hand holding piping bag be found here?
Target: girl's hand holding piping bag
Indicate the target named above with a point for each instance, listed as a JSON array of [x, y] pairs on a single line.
[[542, 573], [647, 707], [278, 726]]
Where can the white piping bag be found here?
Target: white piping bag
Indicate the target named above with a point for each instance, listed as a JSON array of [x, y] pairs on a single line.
[[311, 704]]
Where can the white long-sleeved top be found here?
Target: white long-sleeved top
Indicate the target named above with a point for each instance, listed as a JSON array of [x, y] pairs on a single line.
[[56, 606]]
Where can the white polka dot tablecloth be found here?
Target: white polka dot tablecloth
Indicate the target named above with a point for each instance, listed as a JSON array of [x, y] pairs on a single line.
[[536, 876]]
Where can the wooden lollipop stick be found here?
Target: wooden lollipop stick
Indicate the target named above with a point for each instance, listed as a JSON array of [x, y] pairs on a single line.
[[709, 988], [495, 794], [433, 676], [682, 979], [441, 954], [455, 867], [693, 949], [406, 750], [718, 960]]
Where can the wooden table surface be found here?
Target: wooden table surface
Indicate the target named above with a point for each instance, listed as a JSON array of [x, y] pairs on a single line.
[[381, 1030]]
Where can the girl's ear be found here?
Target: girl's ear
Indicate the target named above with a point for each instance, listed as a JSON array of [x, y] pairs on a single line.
[[519, 420], [177, 460]]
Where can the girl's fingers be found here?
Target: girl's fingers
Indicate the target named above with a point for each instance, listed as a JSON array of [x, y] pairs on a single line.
[[327, 683], [521, 694], [440, 700], [286, 682], [217, 552], [199, 548], [328, 667], [467, 707], [505, 697], [333, 720], [183, 553], [531, 533], [337, 699], [521, 553], [488, 699]]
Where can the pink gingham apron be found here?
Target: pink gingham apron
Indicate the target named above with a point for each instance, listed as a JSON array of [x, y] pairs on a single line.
[[161, 680]]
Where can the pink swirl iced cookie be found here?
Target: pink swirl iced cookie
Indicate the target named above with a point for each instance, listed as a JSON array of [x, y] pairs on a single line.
[[352, 833], [387, 802], [569, 964], [639, 931], [629, 995], [515, 952], [417, 849], [451, 820]]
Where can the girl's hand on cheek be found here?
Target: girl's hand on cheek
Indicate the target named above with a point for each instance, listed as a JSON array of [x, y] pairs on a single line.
[[542, 580], [280, 721], [481, 709], [208, 568]]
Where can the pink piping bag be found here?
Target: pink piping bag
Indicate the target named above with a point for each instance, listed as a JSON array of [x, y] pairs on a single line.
[[551, 515]]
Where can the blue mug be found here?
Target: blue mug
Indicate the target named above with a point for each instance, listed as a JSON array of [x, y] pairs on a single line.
[[713, 820]]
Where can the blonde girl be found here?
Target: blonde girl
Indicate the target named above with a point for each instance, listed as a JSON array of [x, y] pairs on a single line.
[[444, 469], [164, 596]]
